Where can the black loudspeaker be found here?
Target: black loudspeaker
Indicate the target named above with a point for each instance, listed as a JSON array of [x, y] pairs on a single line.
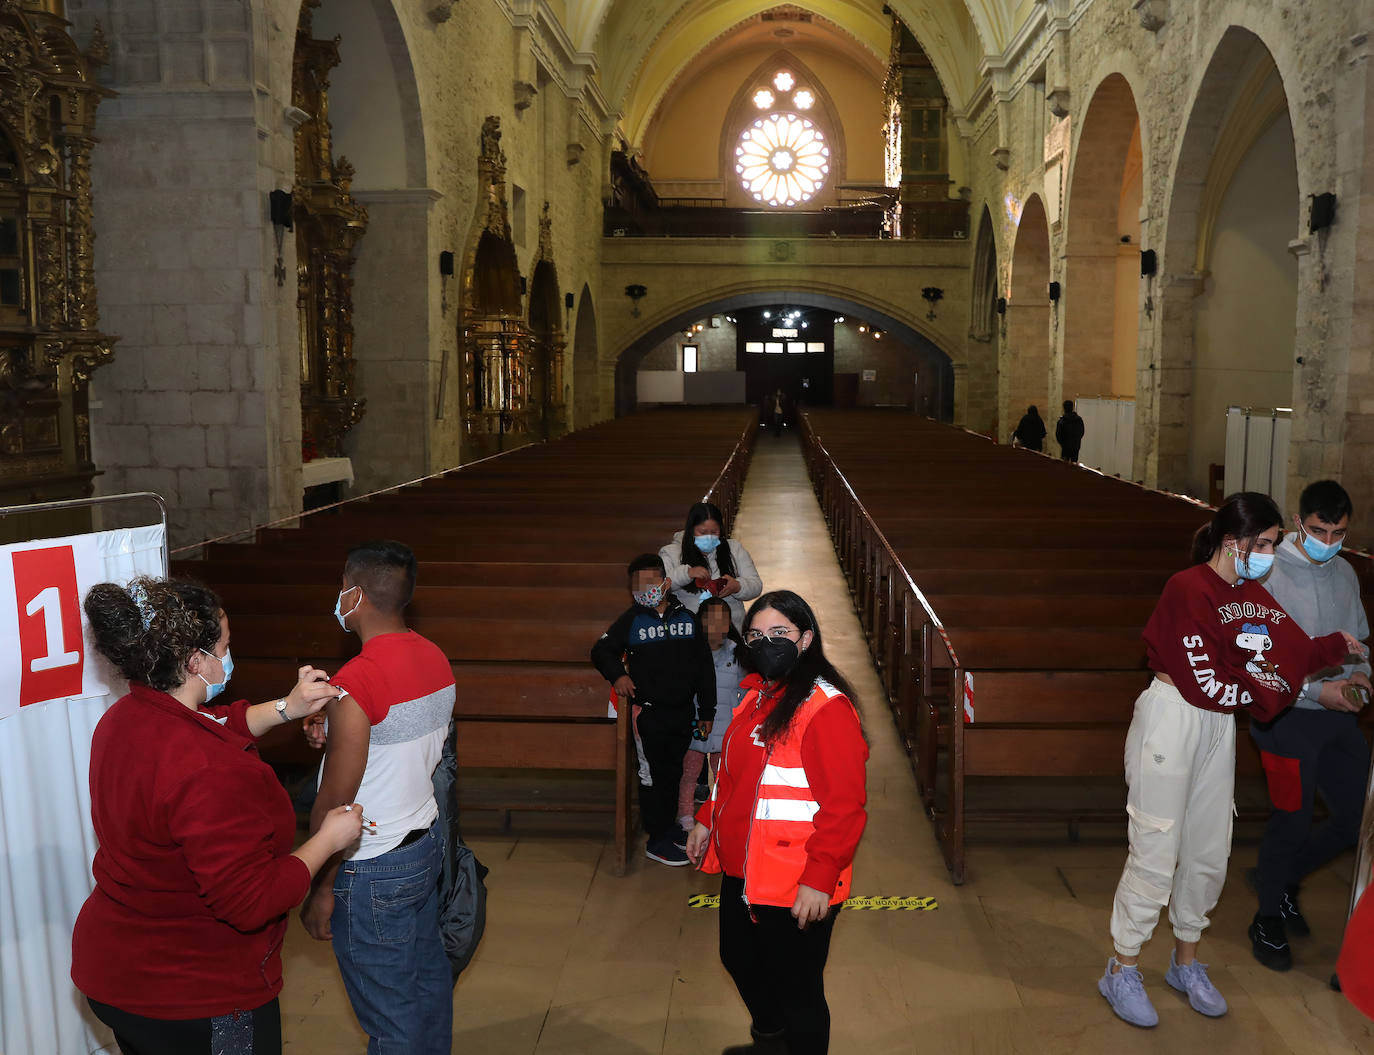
[[1148, 262], [446, 263], [1001, 305], [568, 301], [1323, 212], [524, 285], [279, 206], [1054, 292]]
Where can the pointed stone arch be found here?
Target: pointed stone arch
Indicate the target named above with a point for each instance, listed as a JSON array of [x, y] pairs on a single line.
[[742, 112], [586, 375], [1025, 358], [548, 410]]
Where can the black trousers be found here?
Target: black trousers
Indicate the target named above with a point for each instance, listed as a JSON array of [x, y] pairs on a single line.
[[665, 734], [1306, 752], [256, 1032], [777, 968]]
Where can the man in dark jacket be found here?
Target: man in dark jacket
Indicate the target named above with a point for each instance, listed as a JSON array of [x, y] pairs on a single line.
[[657, 659], [1069, 433]]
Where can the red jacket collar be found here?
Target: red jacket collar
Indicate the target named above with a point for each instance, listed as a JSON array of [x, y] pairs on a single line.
[[171, 706]]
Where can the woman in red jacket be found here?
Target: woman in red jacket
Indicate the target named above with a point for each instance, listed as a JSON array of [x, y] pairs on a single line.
[[178, 949], [1217, 642], [782, 824]]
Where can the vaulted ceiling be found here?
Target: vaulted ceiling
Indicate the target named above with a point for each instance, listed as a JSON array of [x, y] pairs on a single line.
[[642, 46]]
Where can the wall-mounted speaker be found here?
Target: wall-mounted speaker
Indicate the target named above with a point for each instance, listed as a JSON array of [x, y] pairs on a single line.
[[1148, 262], [446, 263], [1323, 212], [568, 301], [1054, 292], [1001, 305]]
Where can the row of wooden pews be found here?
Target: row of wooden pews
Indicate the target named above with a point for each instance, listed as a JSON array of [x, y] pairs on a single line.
[[521, 567], [1003, 594]]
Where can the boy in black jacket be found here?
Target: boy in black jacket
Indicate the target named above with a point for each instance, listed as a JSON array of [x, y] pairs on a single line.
[[666, 665]]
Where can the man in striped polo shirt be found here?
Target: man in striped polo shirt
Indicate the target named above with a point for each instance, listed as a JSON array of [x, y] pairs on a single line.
[[379, 901]]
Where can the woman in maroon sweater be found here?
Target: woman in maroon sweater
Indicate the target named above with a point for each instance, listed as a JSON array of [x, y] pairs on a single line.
[[178, 949], [1217, 642], [783, 822]]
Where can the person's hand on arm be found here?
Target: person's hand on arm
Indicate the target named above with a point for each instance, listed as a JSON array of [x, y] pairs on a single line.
[[350, 734], [730, 588], [697, 839], [1332, 696], [309, 695]]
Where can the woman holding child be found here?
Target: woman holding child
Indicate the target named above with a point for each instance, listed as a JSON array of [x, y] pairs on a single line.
[[782, 825], [701, 562]]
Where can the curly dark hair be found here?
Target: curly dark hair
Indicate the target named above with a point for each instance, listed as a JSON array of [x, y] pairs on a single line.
[[151, 638]]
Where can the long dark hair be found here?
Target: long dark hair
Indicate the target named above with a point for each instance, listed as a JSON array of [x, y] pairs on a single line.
[[693, 557], [1242, 516], [712, 603], [149, 629], [811, 665]]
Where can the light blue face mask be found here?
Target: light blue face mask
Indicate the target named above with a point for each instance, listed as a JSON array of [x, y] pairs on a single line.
[[707, 543], [214, 688], [1256, 566], [340, 614], [1319, 551]]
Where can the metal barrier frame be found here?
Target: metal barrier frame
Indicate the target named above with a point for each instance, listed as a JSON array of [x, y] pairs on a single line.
[[101, 500]]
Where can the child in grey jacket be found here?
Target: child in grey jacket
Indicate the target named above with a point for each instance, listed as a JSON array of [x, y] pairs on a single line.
[[713, 617]]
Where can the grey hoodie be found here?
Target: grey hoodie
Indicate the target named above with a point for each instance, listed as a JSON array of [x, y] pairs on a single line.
[[750, 584], [1321, 598]]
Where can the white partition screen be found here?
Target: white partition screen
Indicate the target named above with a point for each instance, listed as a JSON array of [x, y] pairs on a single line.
[[1108, 435], [1257, 451]]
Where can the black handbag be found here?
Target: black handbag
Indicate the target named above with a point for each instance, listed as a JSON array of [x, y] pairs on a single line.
[[462, 886]]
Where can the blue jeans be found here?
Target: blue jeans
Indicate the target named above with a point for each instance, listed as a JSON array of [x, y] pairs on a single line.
[[386, 939]]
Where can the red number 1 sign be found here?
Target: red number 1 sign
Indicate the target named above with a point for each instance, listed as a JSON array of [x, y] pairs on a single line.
[[51, 649]]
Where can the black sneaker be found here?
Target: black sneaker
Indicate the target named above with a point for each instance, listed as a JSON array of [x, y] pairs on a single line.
[[680, 836], [1293, 919], [666, 852], [1270, 942]]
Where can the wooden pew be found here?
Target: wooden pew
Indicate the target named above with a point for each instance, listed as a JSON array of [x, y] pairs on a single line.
[[1003, 595], [521, 567]]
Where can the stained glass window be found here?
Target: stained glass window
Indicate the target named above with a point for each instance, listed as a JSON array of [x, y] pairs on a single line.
[[782, 159]]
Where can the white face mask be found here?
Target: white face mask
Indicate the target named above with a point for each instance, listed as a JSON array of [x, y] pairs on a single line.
[[341, 615]]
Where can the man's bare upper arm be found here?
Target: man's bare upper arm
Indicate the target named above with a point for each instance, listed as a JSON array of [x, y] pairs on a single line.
[[345, 760]]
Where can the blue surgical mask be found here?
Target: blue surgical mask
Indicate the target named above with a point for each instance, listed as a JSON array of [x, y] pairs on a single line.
[[1319, 551], [214, 688], [1256, 566], [340, 614], [707, 543]]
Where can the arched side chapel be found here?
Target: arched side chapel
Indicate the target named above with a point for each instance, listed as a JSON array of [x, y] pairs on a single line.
[[1072, 150]]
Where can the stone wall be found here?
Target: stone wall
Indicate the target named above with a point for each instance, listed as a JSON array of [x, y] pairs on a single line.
[[202, 403], [1185, 76]]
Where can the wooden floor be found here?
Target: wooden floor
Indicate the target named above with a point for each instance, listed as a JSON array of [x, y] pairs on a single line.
[[576, 960]]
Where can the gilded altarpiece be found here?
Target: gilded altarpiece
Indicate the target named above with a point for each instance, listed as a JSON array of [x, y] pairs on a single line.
[[50, 342], [328, 223], [497, 344]]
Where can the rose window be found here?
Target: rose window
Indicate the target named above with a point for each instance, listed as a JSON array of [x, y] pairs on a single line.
[[782, 159]]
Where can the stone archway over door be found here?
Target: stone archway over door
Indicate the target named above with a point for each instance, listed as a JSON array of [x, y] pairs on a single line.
[[375, 117], [1229, 289], [586, 379], [1102, 258], [1025, 358]]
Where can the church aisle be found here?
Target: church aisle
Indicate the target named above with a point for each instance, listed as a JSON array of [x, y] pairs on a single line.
[[576, 960]]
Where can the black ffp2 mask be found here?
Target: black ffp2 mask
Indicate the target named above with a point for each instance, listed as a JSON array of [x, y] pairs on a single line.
[[774, 657]]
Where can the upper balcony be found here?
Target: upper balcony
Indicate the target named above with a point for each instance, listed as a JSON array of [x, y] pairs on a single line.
[[635, 210]]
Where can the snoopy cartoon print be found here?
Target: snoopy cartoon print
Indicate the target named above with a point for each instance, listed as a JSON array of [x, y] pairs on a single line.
[[1254, 638]]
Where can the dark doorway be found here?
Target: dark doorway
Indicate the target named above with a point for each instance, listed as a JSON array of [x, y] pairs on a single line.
[[792, 349]]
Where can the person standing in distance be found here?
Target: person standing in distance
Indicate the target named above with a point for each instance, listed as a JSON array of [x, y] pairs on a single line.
[[1068, 433], [1317, 746], [1030, 430], [379, 905]]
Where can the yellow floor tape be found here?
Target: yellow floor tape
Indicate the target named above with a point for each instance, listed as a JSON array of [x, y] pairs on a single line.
[[858, 903]]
